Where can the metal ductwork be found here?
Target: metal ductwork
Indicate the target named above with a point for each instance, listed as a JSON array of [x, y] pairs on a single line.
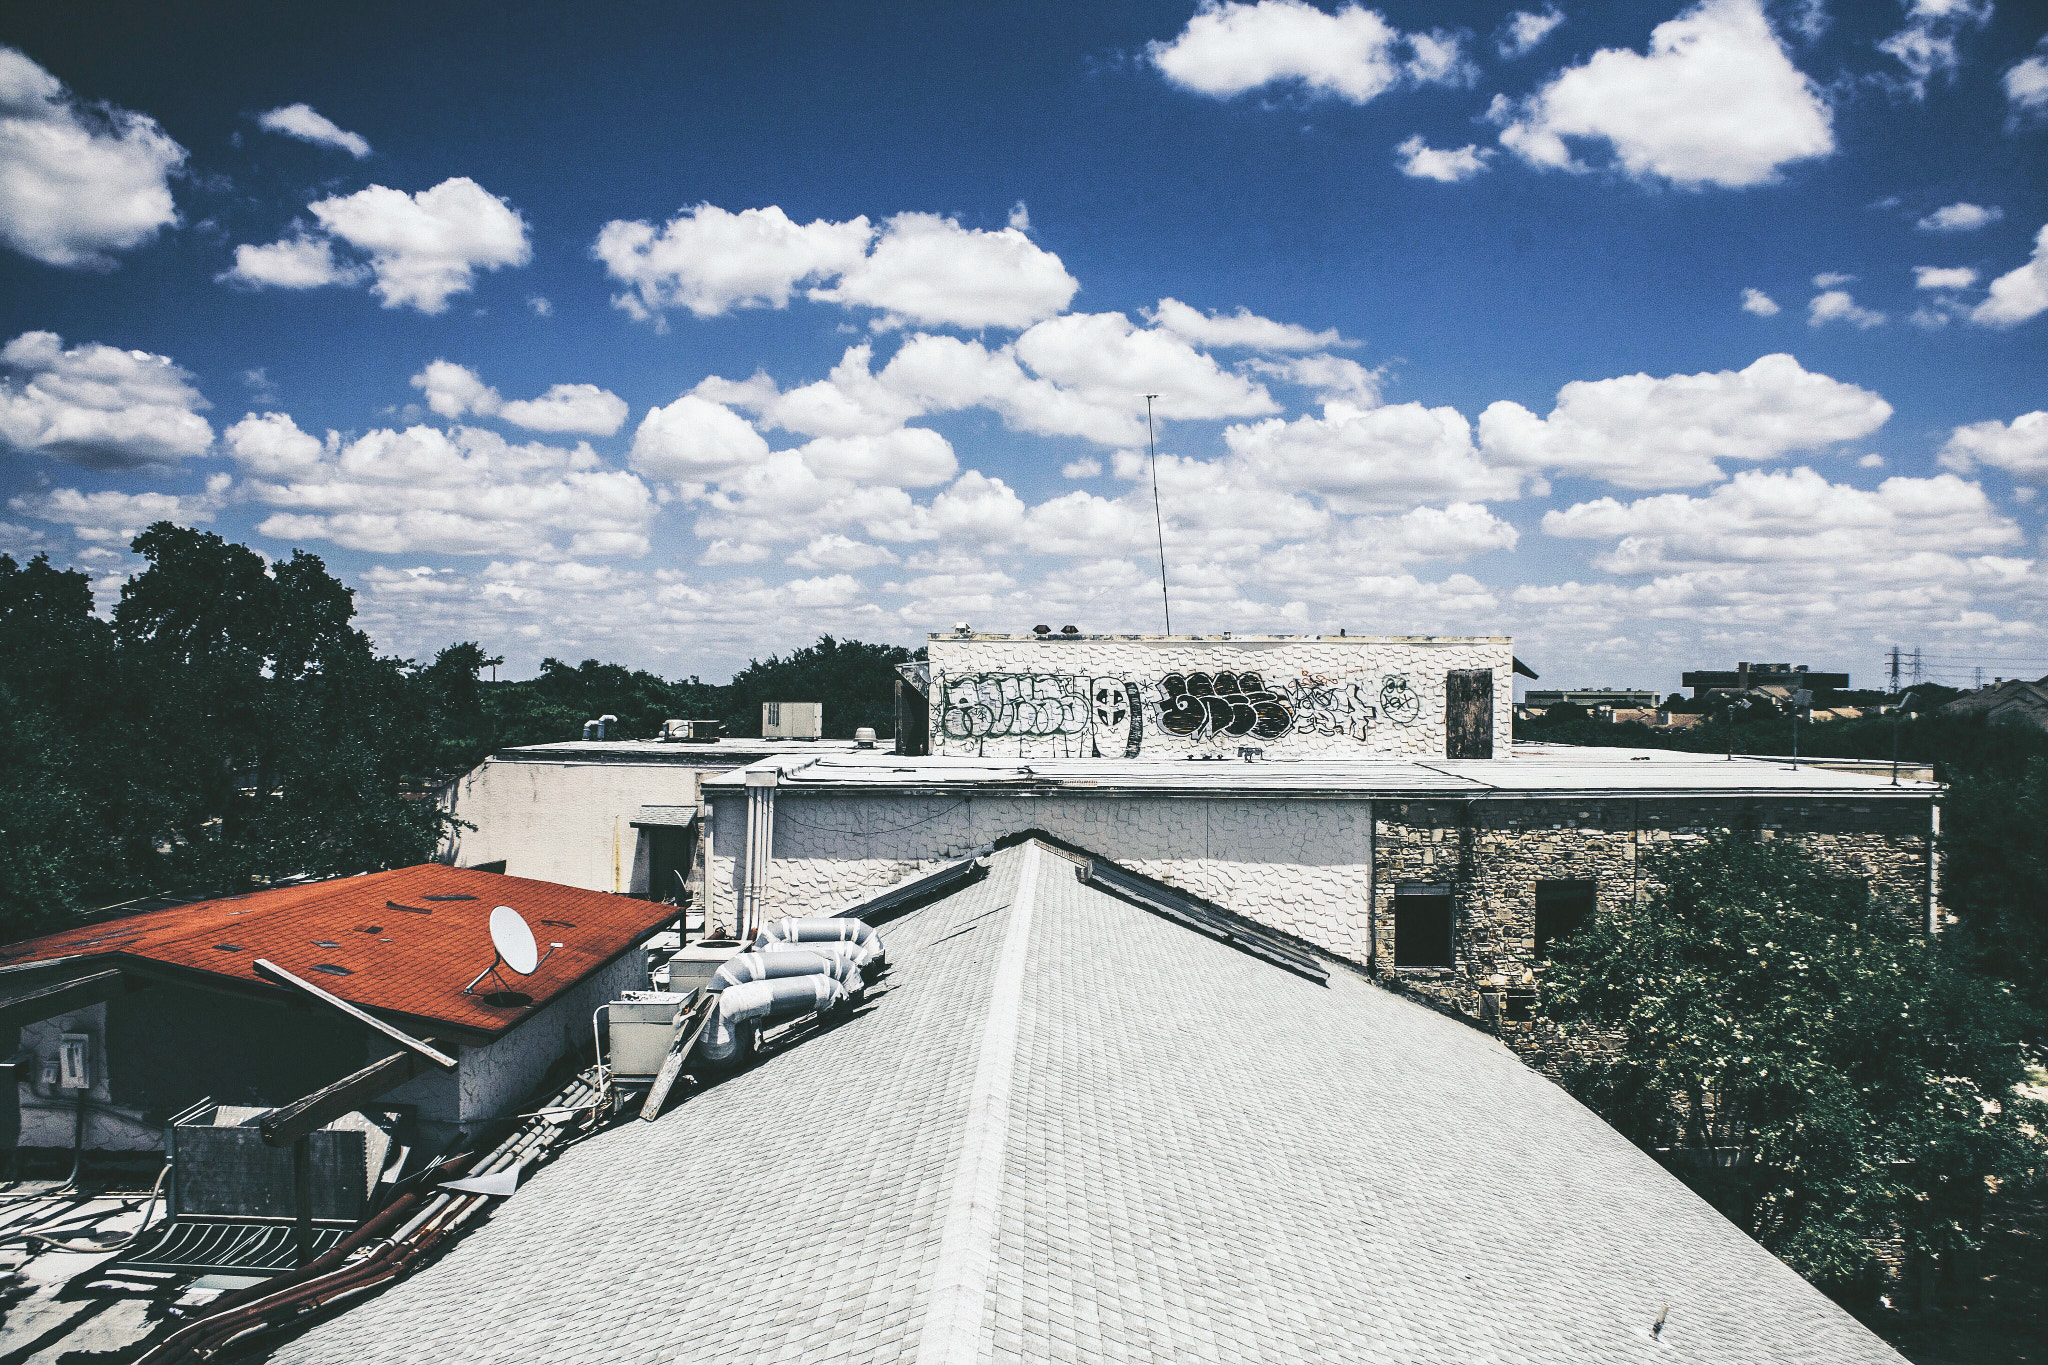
[[750, 1006], [777, 966], [788, 932]]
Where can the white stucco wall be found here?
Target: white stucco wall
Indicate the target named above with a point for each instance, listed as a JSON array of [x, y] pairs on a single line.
[[493, 1080], [564, 822], [1353, 697], [1301, 866]]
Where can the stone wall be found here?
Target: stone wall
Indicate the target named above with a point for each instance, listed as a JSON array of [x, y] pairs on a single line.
[[1167, 697], [1492, 854], [1299, 866]]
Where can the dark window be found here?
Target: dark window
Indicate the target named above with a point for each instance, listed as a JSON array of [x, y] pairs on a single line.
[[1468, 713], [1561, 907], [1422, 928]]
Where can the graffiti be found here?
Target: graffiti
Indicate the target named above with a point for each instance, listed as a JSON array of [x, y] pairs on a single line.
[[1108, 716], [1119, 717], [1237, 704], [979, 706], [1324, 707], [1398, 701]]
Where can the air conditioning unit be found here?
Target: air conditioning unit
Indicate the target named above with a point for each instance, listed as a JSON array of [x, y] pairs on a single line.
[[792, 719]]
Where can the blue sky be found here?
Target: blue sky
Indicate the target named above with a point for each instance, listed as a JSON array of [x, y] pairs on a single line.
[[1656, 336]]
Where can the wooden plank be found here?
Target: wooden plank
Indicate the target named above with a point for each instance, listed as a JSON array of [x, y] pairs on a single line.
[[32, 1007], [323, 1106], [403, 1039], [690, 1025]]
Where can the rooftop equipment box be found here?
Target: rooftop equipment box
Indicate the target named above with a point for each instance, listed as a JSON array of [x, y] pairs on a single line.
[[1251, 696], [792, 719]]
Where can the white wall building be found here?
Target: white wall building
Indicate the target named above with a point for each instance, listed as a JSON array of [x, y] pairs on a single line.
[[1142, 697]]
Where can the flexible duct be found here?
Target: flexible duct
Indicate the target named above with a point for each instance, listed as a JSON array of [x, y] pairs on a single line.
[[747, 1007], [809, 931], [774, 966]]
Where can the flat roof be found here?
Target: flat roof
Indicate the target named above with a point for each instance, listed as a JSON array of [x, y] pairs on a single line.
[[1225, 639], [1536, 772], [717, 753]]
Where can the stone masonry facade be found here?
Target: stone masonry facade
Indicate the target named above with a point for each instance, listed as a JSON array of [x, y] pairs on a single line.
[[1326, 871], [1492, 854]]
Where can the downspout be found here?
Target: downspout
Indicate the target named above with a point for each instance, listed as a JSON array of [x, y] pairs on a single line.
[[1934, 867], [1372, 888], [760, 848]]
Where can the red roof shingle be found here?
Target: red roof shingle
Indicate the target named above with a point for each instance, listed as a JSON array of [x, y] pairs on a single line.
[[408, 940]]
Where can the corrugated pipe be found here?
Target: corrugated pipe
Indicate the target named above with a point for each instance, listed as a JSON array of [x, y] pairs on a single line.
[[775, 966], [423, 1218], [808, 931], [745, 1008]]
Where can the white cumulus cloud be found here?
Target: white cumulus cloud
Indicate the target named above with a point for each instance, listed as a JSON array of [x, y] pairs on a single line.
[[2018, 294], [1353, 54], [1926, 46], [1758, 302], [428, 246], [453, 391], [78, 182], [1448, 164], [2019, 448], [302, 261], [1715, 102], [1943, 277], [1524, 29], [2026, 89], [1838, 305], [420, 490], [113, 519], [1960, 217], [929, 270], [98, 406], [1642, 432], [711, 261], [307, 124], [1242, 330]]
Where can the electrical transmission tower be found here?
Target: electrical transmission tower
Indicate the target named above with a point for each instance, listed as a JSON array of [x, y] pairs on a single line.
[[1916, 665], [1894, 660]]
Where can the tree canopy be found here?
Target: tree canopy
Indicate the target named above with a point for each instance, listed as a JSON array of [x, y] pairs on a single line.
[[1806, 1057]]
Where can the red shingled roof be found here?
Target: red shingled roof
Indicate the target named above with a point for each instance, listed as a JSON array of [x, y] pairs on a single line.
[[409, 939]]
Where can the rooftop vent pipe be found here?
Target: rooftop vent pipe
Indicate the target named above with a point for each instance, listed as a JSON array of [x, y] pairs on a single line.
[[786, 932], [864, 738], [594, 729]]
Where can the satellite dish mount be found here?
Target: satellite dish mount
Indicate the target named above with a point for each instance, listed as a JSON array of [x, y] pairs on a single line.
[[513, 945]]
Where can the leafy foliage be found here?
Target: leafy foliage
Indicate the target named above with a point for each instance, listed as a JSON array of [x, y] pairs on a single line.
[[855, 681], [1758, 1009]]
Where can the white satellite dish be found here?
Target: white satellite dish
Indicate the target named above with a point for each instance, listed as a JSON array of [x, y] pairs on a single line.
[[515, 948], [514, 941]]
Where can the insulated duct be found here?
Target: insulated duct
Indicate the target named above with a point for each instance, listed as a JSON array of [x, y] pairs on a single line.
[[749, 1006], [776, 966], [787, 932]]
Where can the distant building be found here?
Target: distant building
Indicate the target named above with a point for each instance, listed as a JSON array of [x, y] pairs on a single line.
[[2010, 701], [1628, 698], [1747, 677]]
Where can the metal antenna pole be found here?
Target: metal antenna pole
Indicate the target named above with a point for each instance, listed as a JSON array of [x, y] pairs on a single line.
[[1158, 519]]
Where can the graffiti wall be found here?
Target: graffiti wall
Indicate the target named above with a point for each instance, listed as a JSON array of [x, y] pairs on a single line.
[[1134, 697]]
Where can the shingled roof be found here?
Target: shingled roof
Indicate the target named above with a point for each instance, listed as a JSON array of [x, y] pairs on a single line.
[[1075, 1131], [405, 942]]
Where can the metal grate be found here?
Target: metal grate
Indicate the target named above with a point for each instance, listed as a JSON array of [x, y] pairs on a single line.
[[241, 1246]]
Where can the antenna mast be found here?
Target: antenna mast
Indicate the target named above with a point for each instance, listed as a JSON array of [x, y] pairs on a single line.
[[1158, 520]]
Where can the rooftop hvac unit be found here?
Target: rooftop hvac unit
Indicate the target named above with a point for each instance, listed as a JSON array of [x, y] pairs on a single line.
[[792, 719]]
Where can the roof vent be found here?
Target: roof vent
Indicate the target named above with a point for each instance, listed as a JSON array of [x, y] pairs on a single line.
[[1070, 630], [864, 737], [1041, 631]]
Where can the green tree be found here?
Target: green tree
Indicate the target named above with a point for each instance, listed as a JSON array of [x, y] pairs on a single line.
[[855, 681], [1757, 1008], [1995, 875]]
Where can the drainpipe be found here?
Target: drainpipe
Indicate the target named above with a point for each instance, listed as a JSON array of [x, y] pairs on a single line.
[[760, 848], [1934, 869]]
